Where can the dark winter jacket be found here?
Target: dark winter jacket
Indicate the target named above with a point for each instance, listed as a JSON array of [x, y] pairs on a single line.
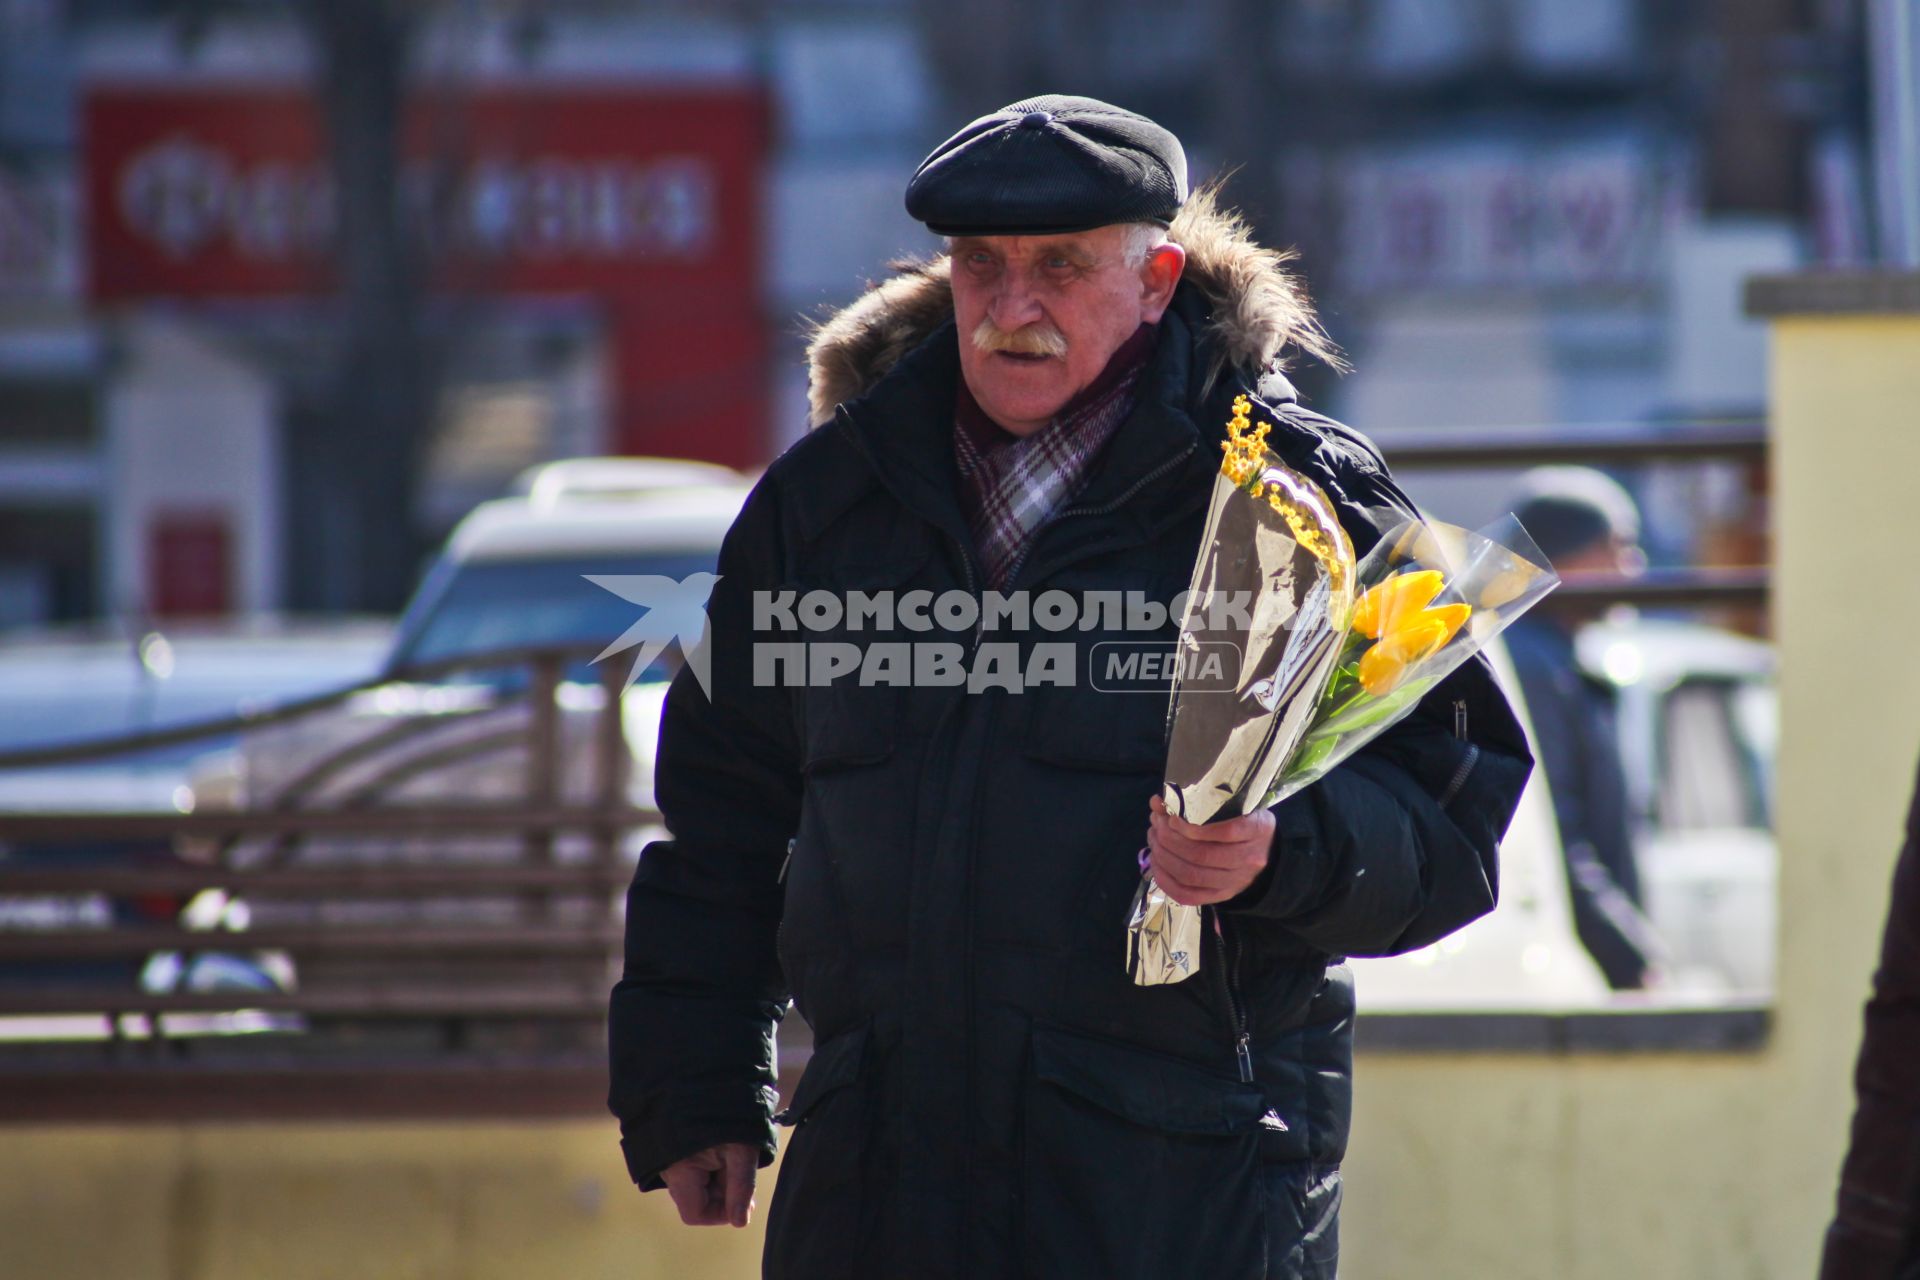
[[1576, 734], [940, 878], [1876, 1231]]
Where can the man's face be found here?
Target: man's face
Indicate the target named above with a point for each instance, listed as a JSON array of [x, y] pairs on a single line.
[[1605, 560], [1610, 557], [1040, 316]]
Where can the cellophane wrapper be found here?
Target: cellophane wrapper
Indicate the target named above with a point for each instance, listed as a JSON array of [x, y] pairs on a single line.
[[1303, 695], [1496, 572], [1249, 680]]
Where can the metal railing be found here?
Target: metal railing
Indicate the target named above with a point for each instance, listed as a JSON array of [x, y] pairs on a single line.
[[1450, 449], [425, 909], [438, 890]]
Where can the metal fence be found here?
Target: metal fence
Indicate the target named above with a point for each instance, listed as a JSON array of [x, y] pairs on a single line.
[[1445, 449], [416, 910], [412, 905]]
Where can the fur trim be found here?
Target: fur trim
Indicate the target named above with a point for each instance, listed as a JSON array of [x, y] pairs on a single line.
[[1257, 309]]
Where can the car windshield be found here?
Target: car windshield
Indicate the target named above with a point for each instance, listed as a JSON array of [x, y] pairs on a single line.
[[1716, 755], [516, 604]]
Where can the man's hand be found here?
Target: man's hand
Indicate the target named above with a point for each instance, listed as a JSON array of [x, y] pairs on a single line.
[[715, 1186], [1197, 865]]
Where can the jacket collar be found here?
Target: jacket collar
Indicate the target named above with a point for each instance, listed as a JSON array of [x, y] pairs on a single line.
[[1158, 465]]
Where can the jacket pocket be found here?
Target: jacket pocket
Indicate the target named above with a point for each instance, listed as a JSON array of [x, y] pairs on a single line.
[[848, 719], [1303, 1205], [813, 1224], [847, 726], [1138, 1165]]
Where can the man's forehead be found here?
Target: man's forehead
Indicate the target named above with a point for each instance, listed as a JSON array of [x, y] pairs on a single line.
[[1090, 244]]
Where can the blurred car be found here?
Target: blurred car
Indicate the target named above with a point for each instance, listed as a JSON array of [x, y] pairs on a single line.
[[513, 575], [1698, 725], [82, 684], [617, 479], [78, 685]]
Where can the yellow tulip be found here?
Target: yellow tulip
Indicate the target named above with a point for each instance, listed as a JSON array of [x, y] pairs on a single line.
[[1412, 640], [1398, 598], [1383, 665], [1453, 615]]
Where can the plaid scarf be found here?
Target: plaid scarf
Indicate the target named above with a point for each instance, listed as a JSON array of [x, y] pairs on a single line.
[[1012, 485]]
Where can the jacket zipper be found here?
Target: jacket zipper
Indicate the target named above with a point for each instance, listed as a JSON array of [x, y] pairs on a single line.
[[1471, 759], [1230, 955], [965, 553], [780, 929], [966, 573], [1236, 1006]]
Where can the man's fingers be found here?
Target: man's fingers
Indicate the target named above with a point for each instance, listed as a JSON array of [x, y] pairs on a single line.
[[742, 1163], [1198, 853], [715, 1185], [1170, 883], [1248, 826], [688, 1188], [1186, 895], [1192, 874], [1205, 843], [1188, 886]]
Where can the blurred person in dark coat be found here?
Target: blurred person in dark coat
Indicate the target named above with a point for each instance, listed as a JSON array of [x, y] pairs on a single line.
[[1876, 1229], [1588, 526]]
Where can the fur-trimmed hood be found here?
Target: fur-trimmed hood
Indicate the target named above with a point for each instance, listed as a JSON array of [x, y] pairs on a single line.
[[1255, 308]]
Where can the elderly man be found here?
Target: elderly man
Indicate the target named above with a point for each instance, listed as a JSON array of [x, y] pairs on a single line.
[[937, 873]]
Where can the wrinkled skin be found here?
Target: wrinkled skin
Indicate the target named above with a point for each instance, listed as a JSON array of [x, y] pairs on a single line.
[[1078, 286]]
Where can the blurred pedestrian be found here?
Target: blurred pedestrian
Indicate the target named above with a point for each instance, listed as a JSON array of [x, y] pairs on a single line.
[[939, 872], [1589, 527], [1876, 1228]]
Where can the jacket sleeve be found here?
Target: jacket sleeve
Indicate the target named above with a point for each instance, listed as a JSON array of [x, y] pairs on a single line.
[[1399, 845], [691, 1021], [1875, 1233]]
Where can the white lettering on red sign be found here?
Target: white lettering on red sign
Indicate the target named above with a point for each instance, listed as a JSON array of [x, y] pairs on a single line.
[[187, 197]]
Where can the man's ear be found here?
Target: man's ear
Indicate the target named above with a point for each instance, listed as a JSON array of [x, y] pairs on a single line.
[[1158, 278]]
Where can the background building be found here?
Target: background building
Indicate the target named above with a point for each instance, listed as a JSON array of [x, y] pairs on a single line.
[[285, 288]]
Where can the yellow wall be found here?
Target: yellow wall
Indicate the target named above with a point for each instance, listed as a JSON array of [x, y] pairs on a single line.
[[1709, 1166], [318, 1202], [1463, 1166]]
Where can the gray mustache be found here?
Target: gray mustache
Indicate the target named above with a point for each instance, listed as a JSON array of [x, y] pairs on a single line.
[[1031, 340]]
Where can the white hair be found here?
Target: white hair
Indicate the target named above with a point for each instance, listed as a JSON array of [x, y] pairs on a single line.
[[1142, 239]]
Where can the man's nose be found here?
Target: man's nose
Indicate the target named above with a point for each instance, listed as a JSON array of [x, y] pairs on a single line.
[[1014, 305]]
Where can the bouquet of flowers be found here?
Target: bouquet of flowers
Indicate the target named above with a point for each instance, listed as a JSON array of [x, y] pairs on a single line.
[[1327, 651]]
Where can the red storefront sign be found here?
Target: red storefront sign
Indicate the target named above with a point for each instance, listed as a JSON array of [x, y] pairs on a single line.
[[648, 201]]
